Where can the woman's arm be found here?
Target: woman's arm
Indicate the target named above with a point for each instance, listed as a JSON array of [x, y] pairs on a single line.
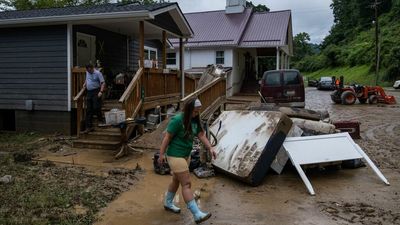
[[206, 142], [167, 138]]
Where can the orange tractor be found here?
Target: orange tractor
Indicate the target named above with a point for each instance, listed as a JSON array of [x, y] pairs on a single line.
[[349, 95]]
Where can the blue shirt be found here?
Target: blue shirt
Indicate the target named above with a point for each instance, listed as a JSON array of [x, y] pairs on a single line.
[[94, 80]]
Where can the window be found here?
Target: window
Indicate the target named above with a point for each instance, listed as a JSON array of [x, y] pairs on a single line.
[[171, 58], [290, 78], [220, 57], [150, 53], [272, 79]]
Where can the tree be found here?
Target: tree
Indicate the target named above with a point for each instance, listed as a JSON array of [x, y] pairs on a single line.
[[302, 46], [257, 8]]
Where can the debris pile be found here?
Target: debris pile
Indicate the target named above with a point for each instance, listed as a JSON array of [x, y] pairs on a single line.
[[252, 141]]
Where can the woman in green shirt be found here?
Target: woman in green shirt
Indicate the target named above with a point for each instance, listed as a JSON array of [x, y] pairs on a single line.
[[178, 144]]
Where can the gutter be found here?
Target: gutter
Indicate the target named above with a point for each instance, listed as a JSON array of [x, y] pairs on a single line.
[[144, 14]]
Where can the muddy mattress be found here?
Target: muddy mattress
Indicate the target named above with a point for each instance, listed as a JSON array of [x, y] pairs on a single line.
[[248, 142]]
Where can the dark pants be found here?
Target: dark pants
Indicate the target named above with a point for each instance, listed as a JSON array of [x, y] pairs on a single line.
[[93, 107]]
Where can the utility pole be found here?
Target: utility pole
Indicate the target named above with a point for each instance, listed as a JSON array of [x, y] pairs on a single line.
[[377, 47]]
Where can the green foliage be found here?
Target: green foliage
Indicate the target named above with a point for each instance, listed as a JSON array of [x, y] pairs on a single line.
[[257, 8], [393, 72], [357, 74], [302, 46], [351, 41]]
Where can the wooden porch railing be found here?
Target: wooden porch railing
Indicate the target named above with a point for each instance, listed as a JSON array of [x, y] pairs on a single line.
[[210, 95], [131, 99], [190, 84], [78, 93], [159, 85], [78, 78]]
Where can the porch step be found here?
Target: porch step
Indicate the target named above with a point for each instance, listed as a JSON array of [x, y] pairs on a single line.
[[111, 104], [96, 144], [103, 135], [107, 129]]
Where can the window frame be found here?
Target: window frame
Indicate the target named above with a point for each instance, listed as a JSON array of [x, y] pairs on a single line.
[[170, 58], [149, 49], [219, 57]]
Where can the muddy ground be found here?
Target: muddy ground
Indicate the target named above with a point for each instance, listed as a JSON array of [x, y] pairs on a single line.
[[355, 196], [347, 196]]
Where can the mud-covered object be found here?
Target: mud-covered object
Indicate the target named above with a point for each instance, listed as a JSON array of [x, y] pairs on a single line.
[[161, 169], [248, 142], [164, 169]]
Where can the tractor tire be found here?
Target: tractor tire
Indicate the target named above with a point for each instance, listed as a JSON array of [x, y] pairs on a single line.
[[348, 98], [362, 100], [335, 97], [372, 99]]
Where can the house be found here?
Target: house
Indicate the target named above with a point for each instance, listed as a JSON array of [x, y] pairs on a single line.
[[42, 53], [249, 42]]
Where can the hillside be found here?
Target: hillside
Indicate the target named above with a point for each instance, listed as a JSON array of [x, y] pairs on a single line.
[[351, 51]]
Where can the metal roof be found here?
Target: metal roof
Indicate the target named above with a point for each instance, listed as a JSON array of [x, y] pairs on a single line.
[[216, 28], [247, 29], [80, 10], [267, 29]]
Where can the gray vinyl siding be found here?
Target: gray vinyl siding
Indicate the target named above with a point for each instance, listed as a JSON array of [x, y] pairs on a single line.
[[33, 66]]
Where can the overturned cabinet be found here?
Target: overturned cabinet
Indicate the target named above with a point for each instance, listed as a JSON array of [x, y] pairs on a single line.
[[248, 142]]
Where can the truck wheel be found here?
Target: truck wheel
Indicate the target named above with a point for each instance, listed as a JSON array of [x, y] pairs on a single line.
[[362, 100], [372, 99], [335, 97], [348, 98]]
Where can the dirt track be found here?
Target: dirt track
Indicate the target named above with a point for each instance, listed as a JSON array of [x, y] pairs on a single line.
[[343, 196]]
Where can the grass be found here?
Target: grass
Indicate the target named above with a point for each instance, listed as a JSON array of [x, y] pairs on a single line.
[[44, 193], [356, 74]]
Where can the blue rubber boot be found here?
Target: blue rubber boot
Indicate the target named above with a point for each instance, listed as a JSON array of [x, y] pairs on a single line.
[[198, 215], [169, 203]]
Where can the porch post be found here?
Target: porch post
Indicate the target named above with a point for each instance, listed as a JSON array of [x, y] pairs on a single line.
[[277, 58], [141, 44], [181, 67], [288, 62], [69, 64], [164, 49]]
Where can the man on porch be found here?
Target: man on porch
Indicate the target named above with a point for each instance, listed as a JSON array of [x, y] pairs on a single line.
[[95, 86]]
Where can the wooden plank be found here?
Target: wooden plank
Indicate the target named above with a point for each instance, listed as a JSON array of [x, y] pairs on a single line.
[[203, 89], [164, 49], [131, 85], [153, 98], [163, 102]]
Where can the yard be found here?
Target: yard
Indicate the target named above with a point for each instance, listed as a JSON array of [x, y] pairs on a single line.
[[82, 186]]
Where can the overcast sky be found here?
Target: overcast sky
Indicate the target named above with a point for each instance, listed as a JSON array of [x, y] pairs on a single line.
[[311, 16]]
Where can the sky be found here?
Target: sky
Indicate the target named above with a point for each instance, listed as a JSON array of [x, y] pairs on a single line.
[[311, 16]]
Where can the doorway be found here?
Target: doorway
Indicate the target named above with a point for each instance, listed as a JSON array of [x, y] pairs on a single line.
[[85, 49]]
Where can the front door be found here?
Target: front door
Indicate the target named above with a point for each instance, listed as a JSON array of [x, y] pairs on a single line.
[[85, 49]]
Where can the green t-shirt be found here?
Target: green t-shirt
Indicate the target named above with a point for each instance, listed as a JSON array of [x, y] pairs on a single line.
[[180, 146]]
